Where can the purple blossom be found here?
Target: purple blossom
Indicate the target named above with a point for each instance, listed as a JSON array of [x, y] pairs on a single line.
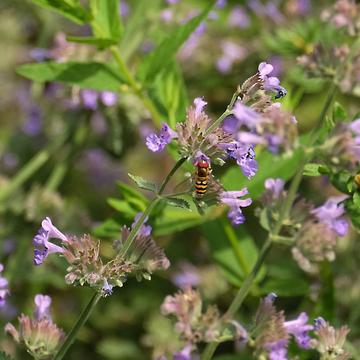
[[107, 289], [167, 15], [299, 329], [246, 115], [33, 122], [271, 83], [200, 156], [230, 124], [232, 53], [319, 322], [42, 307], [4, 289], [187, 277], [199, 103], [172, 2], [184, 354], [245, 158], [331, 214], [277, 350], [220, 4], [274, 187], [124, 9], [43, 247], [109, 98], [90, 98], [238, 18], [232, 199], [157, 143], [145, 230]]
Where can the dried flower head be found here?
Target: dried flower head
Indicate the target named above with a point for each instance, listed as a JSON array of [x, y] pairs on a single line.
[[40, 336], [330, 341], [86, 266], [193, 323]]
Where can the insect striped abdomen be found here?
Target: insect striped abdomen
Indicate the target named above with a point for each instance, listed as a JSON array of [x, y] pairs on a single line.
[[202, 176]]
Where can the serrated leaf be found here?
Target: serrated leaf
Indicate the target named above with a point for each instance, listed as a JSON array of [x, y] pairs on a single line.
[[313, 169], [177, 202], [144, 184], [270, 166], [70, 9], [88, 75], [106, 23], [163, 54]]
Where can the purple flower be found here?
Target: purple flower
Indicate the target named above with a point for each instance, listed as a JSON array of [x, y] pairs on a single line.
[[108, 98], [172, 2], [124, 9], [89, 99], [107, 289], [331, 214], [238, 18], [232, 53], [271, 83], [33, 123], [187, 277], [167, 15], [277, 350], [184, 354], [145, 230], [246, 115], [274, 187], [232, 199], [43, 247], [4, 289], [157, 143], [319, 322], [245, 158], [299, 329], [200, 156], [199, 103], [42, 307], [220, 4]]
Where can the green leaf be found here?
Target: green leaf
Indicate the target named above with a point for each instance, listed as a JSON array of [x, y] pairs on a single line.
[[176, 219], [88, 75], [177, 202], [163, 54], [89, 40], [144, 184], [4, 356], [169, 91], [122, 207], [106, 22], [223, 253], [110, 228], [137, 25], [339, 112], [270, 166], [71, 9], [313, 169]]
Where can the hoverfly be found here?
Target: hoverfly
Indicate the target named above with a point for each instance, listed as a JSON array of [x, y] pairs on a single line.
[[203, 171]]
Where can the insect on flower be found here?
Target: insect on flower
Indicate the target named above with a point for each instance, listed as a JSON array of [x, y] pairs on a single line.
[[202, 177]]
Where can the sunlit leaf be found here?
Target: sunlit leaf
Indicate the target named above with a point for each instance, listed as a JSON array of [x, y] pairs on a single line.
[[71, 9], [144, 184], [89, 75]]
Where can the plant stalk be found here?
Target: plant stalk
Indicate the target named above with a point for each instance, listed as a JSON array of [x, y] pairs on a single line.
[[78, 325]]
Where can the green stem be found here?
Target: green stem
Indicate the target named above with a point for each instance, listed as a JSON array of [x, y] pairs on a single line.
[[284, 213], [78, 325], [135, 86], [149, 208], [226, 113]]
